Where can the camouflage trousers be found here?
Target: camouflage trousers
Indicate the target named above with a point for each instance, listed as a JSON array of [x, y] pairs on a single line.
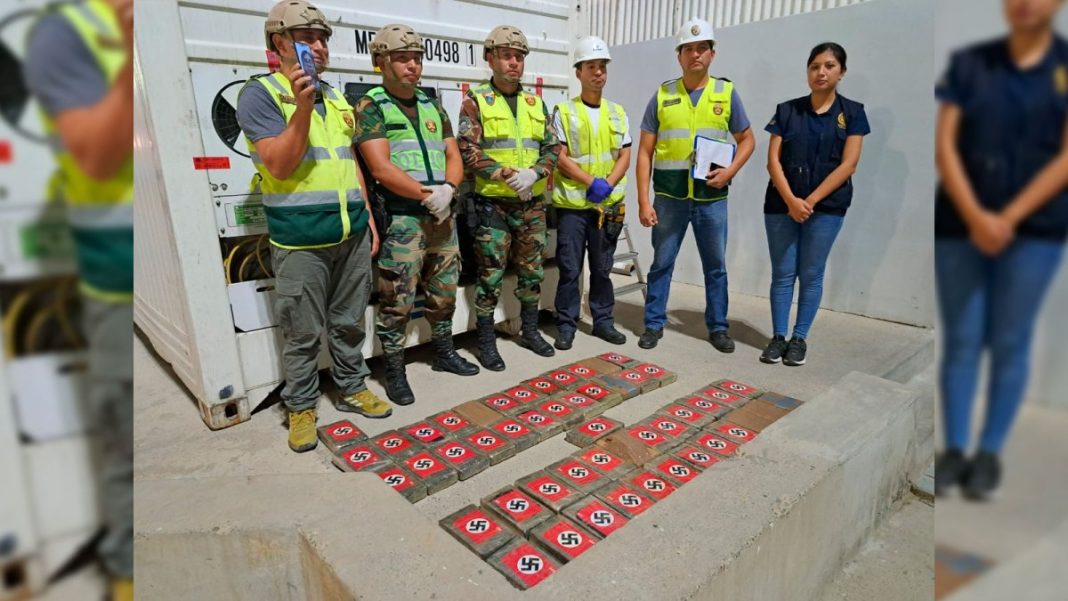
[[415, 250], [509, 231]]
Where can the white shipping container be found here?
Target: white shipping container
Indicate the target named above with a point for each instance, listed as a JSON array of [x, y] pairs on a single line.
[[192, 59]]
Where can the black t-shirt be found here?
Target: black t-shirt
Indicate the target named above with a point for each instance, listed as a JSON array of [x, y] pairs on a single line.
[[812, 146], [1012, 126]]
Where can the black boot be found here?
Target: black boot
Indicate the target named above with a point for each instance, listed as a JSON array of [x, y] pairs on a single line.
[[530, 337], [487, 344], [446, 359], [397, 388]]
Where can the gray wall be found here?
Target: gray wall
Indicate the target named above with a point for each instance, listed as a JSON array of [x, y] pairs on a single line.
[[881, 264], [961, 22]]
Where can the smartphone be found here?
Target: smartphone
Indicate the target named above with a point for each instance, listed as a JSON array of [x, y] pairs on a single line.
[[307, 62]]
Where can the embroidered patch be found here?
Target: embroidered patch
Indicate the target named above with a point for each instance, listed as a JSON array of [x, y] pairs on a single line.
[[431, 126], [671, 102], [841, 121]]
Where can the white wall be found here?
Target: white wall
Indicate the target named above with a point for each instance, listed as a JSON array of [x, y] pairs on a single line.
[[959, 23], [882, 262]]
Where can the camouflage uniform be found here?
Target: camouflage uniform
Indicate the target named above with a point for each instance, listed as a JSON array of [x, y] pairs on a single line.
[[414, 250], [506, 228]]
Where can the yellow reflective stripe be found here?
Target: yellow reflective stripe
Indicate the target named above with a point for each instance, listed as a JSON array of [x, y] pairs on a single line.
[[103, 295]]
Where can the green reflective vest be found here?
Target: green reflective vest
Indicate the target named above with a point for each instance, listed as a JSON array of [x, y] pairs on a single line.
[[100, 212], [680, 122], [320, 204], [512, 140], [594, 154], [417, 151]]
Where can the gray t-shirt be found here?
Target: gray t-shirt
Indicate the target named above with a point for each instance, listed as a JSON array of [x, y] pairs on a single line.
[[59, 69], [260, 117], [737, 123]]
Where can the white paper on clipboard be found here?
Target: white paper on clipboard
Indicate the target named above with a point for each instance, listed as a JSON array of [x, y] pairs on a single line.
[[708, 152]]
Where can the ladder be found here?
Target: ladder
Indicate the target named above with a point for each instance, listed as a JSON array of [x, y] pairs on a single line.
[[634, 268]]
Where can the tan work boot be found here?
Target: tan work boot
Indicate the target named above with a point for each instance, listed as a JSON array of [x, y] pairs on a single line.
[[366, 403], [302, 435], [122, 589]]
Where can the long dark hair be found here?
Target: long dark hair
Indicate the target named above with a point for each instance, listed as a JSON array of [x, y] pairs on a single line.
[[835, 49]]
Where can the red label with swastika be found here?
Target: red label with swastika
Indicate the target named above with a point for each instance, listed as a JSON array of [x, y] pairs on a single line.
[[518, 505], [652, 485], [603, 519], [676, 469], [567, 539], [342, 431], [423, 464], [477, 526], [396, 478], [717, 445], [528, 564]]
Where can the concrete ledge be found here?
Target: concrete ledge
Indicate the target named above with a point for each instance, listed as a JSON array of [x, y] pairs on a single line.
[[1041, 574], [774, 523]]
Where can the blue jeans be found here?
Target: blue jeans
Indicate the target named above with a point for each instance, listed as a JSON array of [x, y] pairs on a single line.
[[799, 252], [709, 221], [988, 303]]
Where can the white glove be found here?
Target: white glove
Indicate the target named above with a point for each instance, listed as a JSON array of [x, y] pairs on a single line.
[[522, 181], [439, 203]]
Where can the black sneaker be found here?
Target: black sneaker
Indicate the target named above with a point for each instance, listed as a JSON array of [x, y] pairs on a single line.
[[950, 469], [610, 334], [983, 477], [564, 339], [775, 350], [722, 341], [795, 352], [649, 338]]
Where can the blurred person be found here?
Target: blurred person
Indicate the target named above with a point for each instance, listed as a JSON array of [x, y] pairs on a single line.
[[79, 65], [589, 185], [318, 219], [507, 142], [681, 109], [1001, 218], [814, 150], [406, 139]]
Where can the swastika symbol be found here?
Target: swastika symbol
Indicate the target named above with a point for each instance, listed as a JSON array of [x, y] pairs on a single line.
[[578, 472], [646, 435], [703, 404], [556, 408], [699, 457], [633, 376], [561, 377], [513, 428], [737, 387], [679, 470], [549, 488], [424, 432], [486, 440], [649, 369], [597, 427], [395, 479], [451, 421], [683, 413], [360, 456], [593, 390], [740, 433], [477, 525], [721, 395], [666, 426], [392, 443], [582, 370], [456, 452], [522, 394], [569, 539], [423, 464], [529, 564], [630, 500], [614, 357], [716, 444], [602, 518], [517, 505], [536, 419], [542, 384], [600, 458], [342, 431], [501, 402], [653, 484]]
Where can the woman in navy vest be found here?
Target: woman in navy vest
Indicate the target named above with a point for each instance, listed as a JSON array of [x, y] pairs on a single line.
[[1001, 216], [815, 147]]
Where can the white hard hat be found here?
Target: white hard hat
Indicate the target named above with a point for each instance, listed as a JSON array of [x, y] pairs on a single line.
[[591, 48], [694, 30]]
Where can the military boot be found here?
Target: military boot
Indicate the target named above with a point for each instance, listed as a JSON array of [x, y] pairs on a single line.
[[446, 358], [487, 344], [397, 388], [530, 337]]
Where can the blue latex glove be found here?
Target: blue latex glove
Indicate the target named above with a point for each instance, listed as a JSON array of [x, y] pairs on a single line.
[[599, 190]]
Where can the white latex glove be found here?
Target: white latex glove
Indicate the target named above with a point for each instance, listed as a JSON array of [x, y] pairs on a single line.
[[522, 181], [439, 203]]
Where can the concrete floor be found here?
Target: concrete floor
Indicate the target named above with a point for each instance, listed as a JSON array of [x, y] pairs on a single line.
[[172, 442], [896, 563]]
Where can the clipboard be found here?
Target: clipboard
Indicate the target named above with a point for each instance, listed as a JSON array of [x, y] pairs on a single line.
[[710, 154]]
